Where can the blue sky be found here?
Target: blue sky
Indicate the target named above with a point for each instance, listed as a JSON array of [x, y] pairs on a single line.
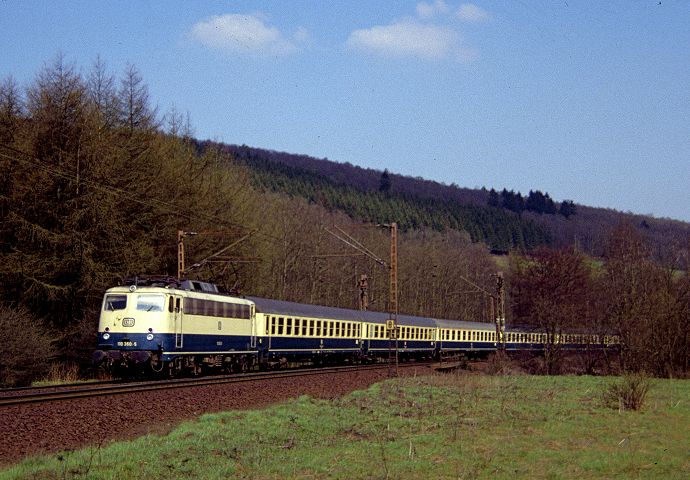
[[587, 100]]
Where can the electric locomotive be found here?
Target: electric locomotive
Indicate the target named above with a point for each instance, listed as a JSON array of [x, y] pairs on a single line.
[[166, 326]]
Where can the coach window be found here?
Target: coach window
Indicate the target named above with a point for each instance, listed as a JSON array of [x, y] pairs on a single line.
[[171, 304], [288, 326]]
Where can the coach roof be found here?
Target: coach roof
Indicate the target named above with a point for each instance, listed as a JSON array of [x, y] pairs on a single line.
[[279, 307]]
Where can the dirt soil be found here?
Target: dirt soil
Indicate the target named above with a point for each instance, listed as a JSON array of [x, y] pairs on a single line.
[[73, 424]]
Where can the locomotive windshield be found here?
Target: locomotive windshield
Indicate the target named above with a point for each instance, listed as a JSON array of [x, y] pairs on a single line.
[[149, 302], [115, 302]]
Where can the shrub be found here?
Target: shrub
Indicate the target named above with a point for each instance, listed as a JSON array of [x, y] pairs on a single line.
[[25, 347], [499, 363], [628, 394]]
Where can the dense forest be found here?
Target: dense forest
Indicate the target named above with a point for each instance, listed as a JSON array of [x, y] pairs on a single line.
[[502, 220], [96, 183]]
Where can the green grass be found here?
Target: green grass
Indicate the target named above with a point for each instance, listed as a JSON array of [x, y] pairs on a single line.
[[428, 427]]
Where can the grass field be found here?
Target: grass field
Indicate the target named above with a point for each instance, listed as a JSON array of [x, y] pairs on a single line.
[[452, 426]]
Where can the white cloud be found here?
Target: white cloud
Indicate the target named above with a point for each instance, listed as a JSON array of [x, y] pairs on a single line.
[[430, 10], [244, 34], [408, 38], [302, 35], [469, 12]]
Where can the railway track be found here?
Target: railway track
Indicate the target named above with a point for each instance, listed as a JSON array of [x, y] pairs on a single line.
[[69, 392]]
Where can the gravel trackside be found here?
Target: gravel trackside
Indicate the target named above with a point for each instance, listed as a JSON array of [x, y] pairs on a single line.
[[51, 427]]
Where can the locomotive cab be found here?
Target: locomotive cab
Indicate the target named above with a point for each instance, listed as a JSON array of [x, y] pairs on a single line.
[[133, 325]]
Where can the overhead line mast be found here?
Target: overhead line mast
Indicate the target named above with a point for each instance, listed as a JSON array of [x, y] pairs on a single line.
[[392, 323]]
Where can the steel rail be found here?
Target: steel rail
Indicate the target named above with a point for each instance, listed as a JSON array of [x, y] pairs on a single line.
[[181, 383]]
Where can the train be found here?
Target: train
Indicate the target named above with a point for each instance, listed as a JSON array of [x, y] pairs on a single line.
[[166, 326]]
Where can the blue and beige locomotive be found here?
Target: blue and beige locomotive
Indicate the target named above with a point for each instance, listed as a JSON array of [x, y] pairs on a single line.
[[168, 326]]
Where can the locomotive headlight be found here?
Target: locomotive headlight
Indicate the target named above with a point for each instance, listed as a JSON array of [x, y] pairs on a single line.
[[149, 337], [106, 336]]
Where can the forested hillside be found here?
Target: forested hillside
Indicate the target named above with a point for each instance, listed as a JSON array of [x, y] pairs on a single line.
[[412, 203], [505, 220]]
